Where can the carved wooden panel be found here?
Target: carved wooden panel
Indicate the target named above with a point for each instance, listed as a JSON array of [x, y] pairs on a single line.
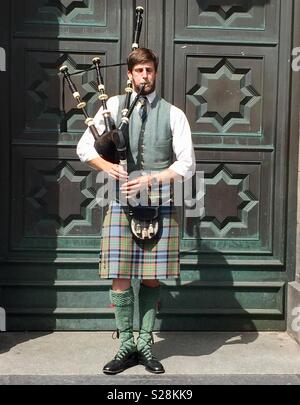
[[54, 198], [225, 95], [99, 18], [225, 19], [211, 13], [238, 218], [232, 194], [41, 88], [227, 92]]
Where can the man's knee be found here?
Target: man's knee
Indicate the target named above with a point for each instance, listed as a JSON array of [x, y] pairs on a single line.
[[121, 284], [151, 283]]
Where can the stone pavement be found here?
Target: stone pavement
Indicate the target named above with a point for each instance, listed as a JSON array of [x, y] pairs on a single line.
[[190, 358]]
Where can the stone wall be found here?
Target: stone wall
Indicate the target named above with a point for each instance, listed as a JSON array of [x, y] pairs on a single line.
[[293, 320], [298, 225]]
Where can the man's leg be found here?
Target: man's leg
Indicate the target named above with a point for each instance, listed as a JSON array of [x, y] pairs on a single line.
[[122, 298], [148, 299]]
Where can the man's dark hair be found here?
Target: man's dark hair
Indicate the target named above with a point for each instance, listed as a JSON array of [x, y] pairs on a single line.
[[142, 55]]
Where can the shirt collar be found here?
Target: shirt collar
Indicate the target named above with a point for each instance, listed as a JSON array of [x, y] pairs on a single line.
[[150, 96]]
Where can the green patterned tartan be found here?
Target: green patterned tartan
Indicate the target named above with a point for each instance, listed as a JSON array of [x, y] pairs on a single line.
[[121, 256]]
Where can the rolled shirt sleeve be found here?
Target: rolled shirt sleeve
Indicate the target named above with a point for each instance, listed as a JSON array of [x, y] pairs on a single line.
[[184, 164], [85, 148]]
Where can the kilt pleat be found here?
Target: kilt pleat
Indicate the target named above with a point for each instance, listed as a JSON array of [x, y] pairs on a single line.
[[122, 256]]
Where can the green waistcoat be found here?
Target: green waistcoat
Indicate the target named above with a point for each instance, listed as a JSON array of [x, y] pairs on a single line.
[[150, 147]]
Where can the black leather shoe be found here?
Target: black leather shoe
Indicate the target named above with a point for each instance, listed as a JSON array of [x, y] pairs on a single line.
[[117, 365], [151, 363]]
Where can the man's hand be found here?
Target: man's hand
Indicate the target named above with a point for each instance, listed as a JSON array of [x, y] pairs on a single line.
[[116, 171], [112, 169], [132, 187]]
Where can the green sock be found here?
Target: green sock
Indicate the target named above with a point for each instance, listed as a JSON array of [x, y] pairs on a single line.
[[124, 309], [148, 308]]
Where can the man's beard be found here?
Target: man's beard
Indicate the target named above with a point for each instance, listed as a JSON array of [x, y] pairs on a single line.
[[145, 92]]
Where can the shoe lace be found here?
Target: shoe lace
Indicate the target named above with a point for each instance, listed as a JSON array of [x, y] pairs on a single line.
[[147, 353], [146, 347], [122, 353], [126, 345]]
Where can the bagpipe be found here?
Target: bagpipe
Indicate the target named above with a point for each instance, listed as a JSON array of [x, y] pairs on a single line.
[[112, 143]]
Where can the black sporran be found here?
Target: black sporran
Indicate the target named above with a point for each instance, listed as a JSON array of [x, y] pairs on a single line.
[[144, 222]]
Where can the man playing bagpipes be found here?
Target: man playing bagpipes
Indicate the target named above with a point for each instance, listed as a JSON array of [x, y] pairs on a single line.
[[158, 132]]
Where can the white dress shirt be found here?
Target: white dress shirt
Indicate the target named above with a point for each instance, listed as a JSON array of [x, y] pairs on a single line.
[[183, 149]]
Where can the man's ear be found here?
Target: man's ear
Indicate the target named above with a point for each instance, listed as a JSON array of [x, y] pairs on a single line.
[[129, 75]]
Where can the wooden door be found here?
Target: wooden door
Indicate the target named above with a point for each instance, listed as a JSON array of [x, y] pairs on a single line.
[[227, 65]]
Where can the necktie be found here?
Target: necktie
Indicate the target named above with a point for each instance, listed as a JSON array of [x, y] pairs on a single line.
[[143, 109]]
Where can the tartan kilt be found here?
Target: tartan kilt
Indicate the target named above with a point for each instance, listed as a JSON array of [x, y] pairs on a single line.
[[122, 256]]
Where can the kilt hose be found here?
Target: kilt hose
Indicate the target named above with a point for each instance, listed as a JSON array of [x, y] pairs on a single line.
[[122, 256]]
